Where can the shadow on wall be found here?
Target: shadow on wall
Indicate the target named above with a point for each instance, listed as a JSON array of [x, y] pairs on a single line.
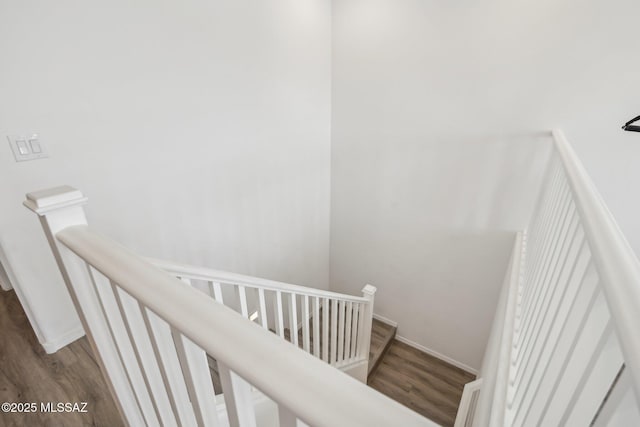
[[436, 235]]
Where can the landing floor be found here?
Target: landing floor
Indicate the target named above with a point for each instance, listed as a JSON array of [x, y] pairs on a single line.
[[421, 382], [28, 374]]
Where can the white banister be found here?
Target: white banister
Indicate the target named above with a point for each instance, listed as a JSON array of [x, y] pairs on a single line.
[[204, 273], [59, 208], [333, 325], [151, 333], [576, 314], [326, 397], [617, 264]]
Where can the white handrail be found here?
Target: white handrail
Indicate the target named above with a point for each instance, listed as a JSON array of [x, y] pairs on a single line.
[[203, 273], [577, 313], [316, 393], [616, 262]]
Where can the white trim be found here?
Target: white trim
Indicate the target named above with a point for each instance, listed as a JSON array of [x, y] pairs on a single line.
[[424, 349], [385, 320], [434, 353], [467, 405], [63, 340]]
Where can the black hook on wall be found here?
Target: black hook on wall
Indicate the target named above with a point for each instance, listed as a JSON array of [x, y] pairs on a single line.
[[628, 126]]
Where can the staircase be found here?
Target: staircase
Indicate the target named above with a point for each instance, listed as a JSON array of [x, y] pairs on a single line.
[[564, 348], [340, 338], [168, 337], [382, 334]]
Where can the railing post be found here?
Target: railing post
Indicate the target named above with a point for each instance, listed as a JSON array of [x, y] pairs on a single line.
[[369, 293], [59, 208]]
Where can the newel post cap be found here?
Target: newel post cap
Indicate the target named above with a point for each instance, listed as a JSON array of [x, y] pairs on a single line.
[[44, 201], [369, 290]]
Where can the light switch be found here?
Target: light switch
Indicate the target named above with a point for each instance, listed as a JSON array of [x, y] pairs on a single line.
[[22, 147], [27, 148], [35, 144]]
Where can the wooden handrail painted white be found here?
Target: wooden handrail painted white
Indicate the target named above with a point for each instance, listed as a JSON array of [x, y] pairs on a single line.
[[149, 332], [571, 353], [348, 338], [617, 264], [316, 393], [209, 274]]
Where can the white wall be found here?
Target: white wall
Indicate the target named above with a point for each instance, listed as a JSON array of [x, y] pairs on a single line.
[[199, 130], [436, 109]]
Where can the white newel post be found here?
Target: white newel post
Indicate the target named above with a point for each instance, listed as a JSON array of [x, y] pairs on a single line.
[[369, 293], [59, 208]]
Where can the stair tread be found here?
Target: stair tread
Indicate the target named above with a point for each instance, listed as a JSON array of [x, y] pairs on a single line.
[[381, 336]]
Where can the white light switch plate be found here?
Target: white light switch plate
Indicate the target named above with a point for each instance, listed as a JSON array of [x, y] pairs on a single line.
[[27, 147]]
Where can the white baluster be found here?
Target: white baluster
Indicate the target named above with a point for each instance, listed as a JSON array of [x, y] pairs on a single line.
[[316, 326], [354, 327], [325, 329], [142, 352], [334, 331], [279, 314], [341, 309], [167, 360], [347, 337], [293, 319], [195, 370], [242, 294], [216, 291], [237, 398], [263, 309], [305, 323]]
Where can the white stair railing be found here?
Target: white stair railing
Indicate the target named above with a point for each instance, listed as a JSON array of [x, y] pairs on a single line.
[[565, 347], [333, 327], [151, 334]]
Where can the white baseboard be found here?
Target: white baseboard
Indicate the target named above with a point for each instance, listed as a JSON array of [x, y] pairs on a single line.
[[436, 354], [425, 349], [66, 339], [385, 320]]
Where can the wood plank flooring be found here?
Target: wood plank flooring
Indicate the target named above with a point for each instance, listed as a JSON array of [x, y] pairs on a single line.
[[421, 382], [28, 374]]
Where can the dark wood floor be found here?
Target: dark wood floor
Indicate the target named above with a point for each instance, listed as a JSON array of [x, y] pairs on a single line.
[[28, 374], [424, 383], [421, 382]]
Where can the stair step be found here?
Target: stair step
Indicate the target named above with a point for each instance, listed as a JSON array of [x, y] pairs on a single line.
[[382, 334]]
